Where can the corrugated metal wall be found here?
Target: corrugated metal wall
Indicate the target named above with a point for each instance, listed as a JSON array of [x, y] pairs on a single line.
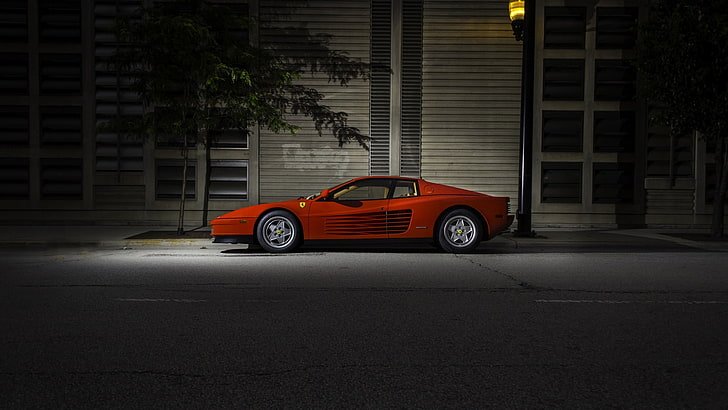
[[411, 94], [380, 86], [304, 163], [470, 96]]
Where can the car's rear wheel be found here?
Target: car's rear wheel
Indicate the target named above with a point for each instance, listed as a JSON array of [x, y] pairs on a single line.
[[278, 231], [459, 232]]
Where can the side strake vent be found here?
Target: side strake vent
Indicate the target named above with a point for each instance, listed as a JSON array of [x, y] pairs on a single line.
[[398, 221], [372, 223]]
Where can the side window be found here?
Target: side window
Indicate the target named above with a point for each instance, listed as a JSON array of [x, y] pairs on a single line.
[[405, 189], [364, 190]]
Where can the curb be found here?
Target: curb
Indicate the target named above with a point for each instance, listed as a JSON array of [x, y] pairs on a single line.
[[707, 246]]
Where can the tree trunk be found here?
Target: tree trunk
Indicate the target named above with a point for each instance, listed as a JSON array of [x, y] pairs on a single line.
[[181, 217], [206, 198], [721, 169]]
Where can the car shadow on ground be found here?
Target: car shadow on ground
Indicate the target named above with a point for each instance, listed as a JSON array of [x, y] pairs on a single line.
[[486, 248], [334, 249]]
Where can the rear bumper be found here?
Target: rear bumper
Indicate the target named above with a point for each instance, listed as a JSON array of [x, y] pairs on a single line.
[[498, 226]]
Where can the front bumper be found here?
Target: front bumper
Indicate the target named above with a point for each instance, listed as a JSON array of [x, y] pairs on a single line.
[[233, 230]]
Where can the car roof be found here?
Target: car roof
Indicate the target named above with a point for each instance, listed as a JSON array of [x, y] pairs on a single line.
[[387, 177], [397, 177]]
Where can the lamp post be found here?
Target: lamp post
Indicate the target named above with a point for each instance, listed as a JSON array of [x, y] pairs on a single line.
[[517, 12], [523, 22]]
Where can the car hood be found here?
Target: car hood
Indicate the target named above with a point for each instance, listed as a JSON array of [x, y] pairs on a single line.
[[255, 210]]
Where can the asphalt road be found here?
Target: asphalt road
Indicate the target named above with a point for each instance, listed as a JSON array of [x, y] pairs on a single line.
[[226, 327]]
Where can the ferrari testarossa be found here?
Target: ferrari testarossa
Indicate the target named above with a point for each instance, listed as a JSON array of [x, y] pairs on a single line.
[[371, 208]]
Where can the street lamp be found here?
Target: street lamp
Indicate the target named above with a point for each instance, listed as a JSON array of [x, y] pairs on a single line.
[[517, 11], [523, 22]]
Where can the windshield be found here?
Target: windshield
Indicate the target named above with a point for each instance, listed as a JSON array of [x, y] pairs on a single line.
[[318, 194]]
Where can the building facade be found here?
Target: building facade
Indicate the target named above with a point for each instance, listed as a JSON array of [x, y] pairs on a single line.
[[446, 109]]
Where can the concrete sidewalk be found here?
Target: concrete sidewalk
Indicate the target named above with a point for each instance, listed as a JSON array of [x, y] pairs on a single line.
[[546, 240], [101, 236]]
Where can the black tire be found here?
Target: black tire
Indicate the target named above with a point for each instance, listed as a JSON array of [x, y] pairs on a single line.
[[459, 231], [278, 232]]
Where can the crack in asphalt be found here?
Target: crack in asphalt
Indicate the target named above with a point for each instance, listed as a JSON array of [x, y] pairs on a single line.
[[521, 283], [529, 287]]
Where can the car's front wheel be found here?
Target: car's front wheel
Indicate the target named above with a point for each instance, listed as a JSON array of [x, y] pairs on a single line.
[[278, 231], [459, 232]]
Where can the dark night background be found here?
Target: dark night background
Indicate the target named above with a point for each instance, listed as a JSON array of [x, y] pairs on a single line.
[[609, 290]]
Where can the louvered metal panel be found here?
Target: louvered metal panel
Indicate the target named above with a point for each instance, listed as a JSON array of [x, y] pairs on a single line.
[[711, 183], [231, 138], [411, 88], [115, 98], [562, 131], [564, 27], [61, 126], [14, 178], [14, 74], [470, 96], [658, 153], [682, 156], [118, 152], [14, 123], [614, 131], [561, 182], [60, 74], [563, 79], [672, 202], [228, 179], [613, 183], [14, 21], [616, 27], [302, 164], [380, 86], [668, 156], [169, 179], [59, 21], [614, 80], [61, 178]]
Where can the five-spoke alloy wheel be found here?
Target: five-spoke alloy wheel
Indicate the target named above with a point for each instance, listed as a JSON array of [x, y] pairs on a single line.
[[278, 231], [459, 232]]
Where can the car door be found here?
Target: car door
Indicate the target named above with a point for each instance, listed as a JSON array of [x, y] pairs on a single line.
[[357, 210], [401, 210]]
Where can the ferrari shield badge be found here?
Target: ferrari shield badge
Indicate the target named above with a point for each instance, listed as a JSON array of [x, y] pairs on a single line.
[[302, 204]]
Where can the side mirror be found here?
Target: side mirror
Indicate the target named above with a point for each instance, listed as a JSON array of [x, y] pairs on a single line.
[[324, 194]]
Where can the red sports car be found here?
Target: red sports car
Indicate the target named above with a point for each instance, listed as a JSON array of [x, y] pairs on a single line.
[[371, 208]]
